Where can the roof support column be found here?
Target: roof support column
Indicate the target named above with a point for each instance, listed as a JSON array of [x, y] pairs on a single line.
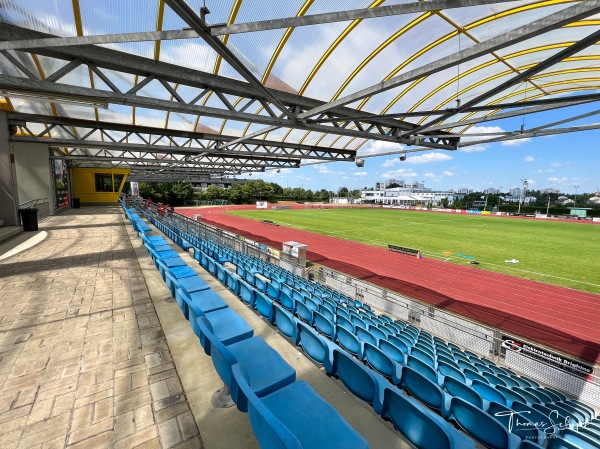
[[9, 202]]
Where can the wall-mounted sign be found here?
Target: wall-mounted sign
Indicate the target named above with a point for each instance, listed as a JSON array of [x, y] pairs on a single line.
[[550, 358], [262, 205]]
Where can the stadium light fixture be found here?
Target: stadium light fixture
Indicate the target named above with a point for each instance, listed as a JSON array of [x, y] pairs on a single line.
[[75, 101]]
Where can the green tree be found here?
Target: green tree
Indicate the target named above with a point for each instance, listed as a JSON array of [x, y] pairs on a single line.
[[236, 194], [215, 193], [181, 192], [277, 189]]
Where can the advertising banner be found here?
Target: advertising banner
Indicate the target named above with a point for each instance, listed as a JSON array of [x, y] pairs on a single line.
[[548, 357], [262, 205], [60, 173]]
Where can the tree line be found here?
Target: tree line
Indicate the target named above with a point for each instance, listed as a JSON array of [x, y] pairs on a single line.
[[177, 193]]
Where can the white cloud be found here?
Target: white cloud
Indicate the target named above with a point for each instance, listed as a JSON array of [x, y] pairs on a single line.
[[390, 163], [562, 180], [380, 146], [515, 142], [529, 159], [432, 176], [427, 158], [475, 148], [559, 164], [361, 174], [448, 173], [546, 170], [400, 173]]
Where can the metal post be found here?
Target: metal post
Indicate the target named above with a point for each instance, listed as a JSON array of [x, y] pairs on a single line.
[[576, 187]]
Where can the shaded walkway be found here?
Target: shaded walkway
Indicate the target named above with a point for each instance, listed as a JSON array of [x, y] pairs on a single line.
[[83, 359]]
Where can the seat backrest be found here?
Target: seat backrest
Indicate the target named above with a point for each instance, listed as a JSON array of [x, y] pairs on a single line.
[[510, 394], [400, 343], [393, 351], [365, 335], [349, 341], [222, 358], [522, 427], [530, 398], [324, 325], [380, 361], [493, 379], [557, 442], [269, 431], [264, 306], [422, 388], [285, 322], [472, 375], [304, 313], [376, 332], [327, 313], [247, 293], [449, 370], [359, 379], [312, 343], [508, 381], [487, 392], [539, 393], [479, 424], [461, 390], [423, 356], [422, 368], [417, 424], [542, 421]]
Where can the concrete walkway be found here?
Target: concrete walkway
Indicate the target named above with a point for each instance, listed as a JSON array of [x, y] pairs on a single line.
[[83, 359], [94, 354]]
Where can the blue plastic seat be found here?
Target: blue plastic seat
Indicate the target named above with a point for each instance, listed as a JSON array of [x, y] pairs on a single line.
[[361, 381], [422, 427], [315, 346], [574, 413], [519, 424], [247, 293], [481, 426], [382, 363], [350, 342], [556, 393], [345, 323], [198, 304], [511, 395], [393, 351], [233, 282], [456, 388], [227, 326], [558, 417], [488, 393], [493, 379], [273, 290], [539, 393], [285, 322], [423, 356], [326, 313], [448, 370], [530, 398], [188, 285], [472, 375], [401, 343], [376, 332], [426, 391], [304, 313], [265, 369], [576, 403], [541, 420], [264, 306], [508, 381], [557, 442], [260, 284], [324, 325], [365, 336], [286, 301], [423, 368], [296, 417], [580, 439]]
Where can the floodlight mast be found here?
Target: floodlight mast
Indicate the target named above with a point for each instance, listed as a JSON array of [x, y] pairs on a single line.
[[525, 185]]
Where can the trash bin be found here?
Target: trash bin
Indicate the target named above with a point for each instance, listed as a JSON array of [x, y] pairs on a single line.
[[75, 203], [29, 219]]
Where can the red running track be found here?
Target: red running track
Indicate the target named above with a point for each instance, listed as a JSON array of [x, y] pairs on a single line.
[[557, 317]]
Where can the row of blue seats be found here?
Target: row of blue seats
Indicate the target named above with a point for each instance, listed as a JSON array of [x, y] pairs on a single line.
[[257, 378], [413, 372]]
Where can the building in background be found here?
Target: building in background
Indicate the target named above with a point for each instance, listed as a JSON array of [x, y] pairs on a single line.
[[413, 193]]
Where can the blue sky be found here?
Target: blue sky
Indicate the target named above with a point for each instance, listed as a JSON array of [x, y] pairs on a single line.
[[561, 162]]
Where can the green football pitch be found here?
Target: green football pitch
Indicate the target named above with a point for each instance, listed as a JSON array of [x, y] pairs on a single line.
[[556, 252]]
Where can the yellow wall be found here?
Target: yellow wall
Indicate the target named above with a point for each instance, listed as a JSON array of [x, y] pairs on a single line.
[[84, 184]]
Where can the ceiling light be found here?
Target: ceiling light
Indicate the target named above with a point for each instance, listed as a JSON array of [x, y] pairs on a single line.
[[75, 101]]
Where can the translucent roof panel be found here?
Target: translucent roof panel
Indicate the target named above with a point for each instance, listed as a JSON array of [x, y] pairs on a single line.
[[54, 17]]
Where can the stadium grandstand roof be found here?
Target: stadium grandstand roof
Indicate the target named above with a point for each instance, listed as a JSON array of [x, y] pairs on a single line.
[[192, 87]]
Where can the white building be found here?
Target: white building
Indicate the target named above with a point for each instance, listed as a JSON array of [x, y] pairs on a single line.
[[408, 194]]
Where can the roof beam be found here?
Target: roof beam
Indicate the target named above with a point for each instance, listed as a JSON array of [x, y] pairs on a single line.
[[528, 134], [222, 30], [46, 89], [303, 151], [181, 8], [503, 115], [556, 20], [521, 77]]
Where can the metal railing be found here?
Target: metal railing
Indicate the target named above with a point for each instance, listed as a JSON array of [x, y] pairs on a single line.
[[483, 340], [41, 204]]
